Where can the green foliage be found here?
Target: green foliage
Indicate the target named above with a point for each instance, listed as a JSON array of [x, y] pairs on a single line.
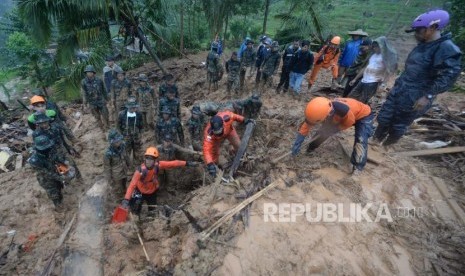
[[133, 62], [22, 46], [457, 24]]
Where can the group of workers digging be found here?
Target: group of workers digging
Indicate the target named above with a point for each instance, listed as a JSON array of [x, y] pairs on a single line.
[[431, 68]]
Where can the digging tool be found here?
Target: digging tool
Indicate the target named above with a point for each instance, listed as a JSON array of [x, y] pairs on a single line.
[[304, 144], [140, 238], [240, 152], [23, 105]]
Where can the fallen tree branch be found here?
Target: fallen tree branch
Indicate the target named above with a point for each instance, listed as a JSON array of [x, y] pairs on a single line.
[[430, 151]]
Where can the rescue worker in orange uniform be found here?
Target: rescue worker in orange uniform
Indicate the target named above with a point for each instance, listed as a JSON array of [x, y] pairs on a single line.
[[220, 128], [326, 58], [336, 115], [144, 183]]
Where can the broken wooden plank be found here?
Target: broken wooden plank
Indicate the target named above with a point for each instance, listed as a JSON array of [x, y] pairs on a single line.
[[430, 151], [229, 214], [78, 124], [242, 149], [439, 183]]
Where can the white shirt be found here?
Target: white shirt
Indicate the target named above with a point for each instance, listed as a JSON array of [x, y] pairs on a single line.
[[375, 70]]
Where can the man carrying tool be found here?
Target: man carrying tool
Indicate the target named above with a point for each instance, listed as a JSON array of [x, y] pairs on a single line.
[[94, 95], [144, 183], [55, 133], [49, 104], [52, 169], [147, 100], [334, 116], [220, 128], [327, 58], [431, 68], [116, 161], [130, 124]]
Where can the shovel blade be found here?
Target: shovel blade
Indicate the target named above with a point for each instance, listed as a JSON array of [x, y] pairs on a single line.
[[119, 215]]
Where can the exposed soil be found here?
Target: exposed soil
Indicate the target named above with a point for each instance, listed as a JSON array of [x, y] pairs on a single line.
[[430, 243]]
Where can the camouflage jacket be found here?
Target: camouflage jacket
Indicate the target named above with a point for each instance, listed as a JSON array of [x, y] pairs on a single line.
[[247, 108], [172, 126], [109, 75], [130, 126], [248, 57], [164, 87], [195, 127], [172, 152], [232, 68], [115, 163], [145, 97], [271, 63], [54, 133], [174, 105], [45, 166], [93, 91], [118, 87], [214, 63]]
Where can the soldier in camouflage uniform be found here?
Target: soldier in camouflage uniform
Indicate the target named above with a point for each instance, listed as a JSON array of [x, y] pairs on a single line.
[[94, 95], [214, 67], [130, 124], [45, 161], [168, 83], [249, 108], [56, 133], [147, 100], [172, 103], [195, 125], [233, 66], [120, 91], [247, 63], [116, 162], [270, 66], [168, 124]]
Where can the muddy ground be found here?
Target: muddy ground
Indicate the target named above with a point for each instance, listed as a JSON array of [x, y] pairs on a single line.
[[431, 241]]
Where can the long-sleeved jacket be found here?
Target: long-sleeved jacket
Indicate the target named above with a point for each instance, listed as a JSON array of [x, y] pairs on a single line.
[[359, 63], [115, 163], [174, 105], [132, 126], [213, 63], [45, 166], [248, 57], [56, 134], [271, 63], [301, 62], [210, 140], [109, 75], [288, 54], [121, 90], [146, 180], [232, 68], [145, 97], [171, 126], [347, 111], [430, 69], [330, 56], [93, 92], [262, 52], [350, 52], [195, 127]]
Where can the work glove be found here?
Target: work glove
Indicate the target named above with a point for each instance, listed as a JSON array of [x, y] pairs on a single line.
[[297, 144], [246, 121], [211, 169], [125, 203], [192, 163]]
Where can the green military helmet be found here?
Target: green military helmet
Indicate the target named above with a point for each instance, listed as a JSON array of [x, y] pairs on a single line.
[[166, 110], [40, 117], [209, 108], [196, 110], [143, 77], [42, 142], [114, 136], [132, 102], [90, 68]]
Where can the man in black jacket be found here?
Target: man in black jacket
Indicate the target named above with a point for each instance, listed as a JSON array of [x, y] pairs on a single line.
[[301, 62], [287, 56]]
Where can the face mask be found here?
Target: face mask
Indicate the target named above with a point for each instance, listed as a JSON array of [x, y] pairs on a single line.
[[131, 114]]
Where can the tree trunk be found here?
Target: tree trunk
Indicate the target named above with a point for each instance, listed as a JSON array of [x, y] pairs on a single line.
[[265, 19], [181, 42], [225, 30], [142, 37]]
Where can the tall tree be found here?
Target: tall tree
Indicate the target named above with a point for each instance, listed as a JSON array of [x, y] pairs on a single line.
[[265, 17]]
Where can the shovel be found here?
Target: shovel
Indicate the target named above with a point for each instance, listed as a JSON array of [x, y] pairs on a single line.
[[120, 215]]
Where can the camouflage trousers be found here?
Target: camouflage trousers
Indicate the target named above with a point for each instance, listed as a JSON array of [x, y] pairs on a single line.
[[148, 116], [233, 83], [101, 115], [52, 187]]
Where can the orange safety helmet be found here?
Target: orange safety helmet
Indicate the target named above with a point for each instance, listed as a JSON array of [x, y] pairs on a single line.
[[317, 110], [336, 40], [151, 151], [37, 99]]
